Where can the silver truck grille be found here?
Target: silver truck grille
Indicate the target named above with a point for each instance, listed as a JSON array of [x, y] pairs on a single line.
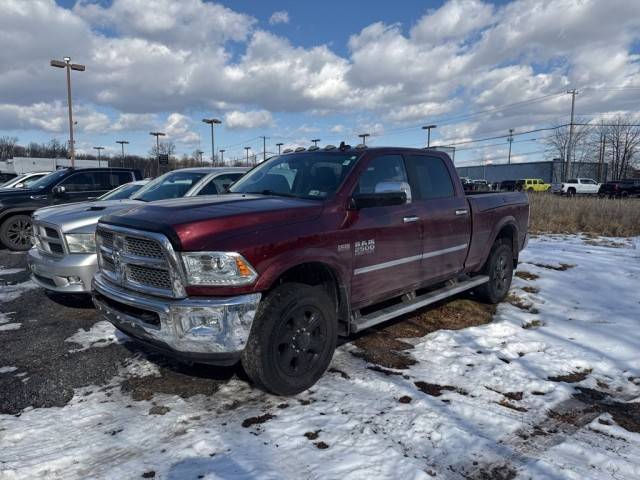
[[142, 261], [49, 239]]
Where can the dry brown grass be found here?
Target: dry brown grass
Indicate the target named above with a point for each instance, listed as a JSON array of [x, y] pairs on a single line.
[[591, 215]]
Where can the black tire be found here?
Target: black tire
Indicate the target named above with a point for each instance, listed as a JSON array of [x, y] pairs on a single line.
[[499, 268], [292, 339], [15, 233], [571, 192]]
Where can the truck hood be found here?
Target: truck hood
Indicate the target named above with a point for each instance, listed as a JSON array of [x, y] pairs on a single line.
[[195, 222], [81, 217]]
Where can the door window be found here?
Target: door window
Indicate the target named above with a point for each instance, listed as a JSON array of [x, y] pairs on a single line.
[[218, 184], [431, 178], [386, 168], [80, 182]]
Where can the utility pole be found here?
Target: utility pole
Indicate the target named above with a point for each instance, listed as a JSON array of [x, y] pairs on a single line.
[[603, 140], [567, 172], [80, 68], [158, 135], [98, 149], [122, 144], [279, 145], [510, 142], [247, 149], [264, 147], [428, 129], [212, 122], [222, 156], [364, 136], [315, 142]]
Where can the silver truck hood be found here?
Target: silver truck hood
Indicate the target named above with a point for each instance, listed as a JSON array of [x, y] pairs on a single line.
[[81, 217]]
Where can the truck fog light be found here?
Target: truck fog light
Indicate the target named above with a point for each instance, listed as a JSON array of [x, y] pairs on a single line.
[[199, 320], [74, 280]]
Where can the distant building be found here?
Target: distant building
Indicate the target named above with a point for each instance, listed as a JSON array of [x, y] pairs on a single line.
[[18, 165], [549, 171]]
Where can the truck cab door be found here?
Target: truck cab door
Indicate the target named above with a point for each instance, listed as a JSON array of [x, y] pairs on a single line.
[[387, 240], [445, 216]]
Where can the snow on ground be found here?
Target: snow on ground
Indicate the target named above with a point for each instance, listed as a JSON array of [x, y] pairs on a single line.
[[10, 271], [9, 293], [540, 392], [101, 334]]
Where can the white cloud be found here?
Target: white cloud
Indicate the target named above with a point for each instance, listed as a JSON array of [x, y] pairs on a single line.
[[178, 127], [281, 16], [250, 119]]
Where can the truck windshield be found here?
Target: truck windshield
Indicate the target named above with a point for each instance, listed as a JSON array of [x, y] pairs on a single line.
[[170, 185], [47, 180], [122, 192], [308, 175]]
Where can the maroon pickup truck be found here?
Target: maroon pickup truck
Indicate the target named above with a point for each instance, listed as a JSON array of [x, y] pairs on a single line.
[[305, 247]]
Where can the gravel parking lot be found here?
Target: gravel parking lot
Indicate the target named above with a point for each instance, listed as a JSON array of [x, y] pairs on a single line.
[[544, 386]]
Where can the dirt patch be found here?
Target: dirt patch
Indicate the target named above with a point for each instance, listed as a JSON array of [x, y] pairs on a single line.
[[605, 243], [248, 422], [533, 324], [159, 410], [321, 445], [530, 289], [523, 274], [436, 390], [510, 405], [340, 372], [626, 415], [497, 472], [560, 268], [149, 474], [521, 303], [405, 399], [384, 350], [573, 377], [313, 435], [180, 380]]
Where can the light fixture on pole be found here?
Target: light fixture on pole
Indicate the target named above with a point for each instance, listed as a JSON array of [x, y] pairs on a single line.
[[279, 145], [315, 141], [158, 135], [222, 150], [212, 122], [247, 149], [428, 129], [122, 144], [98, 149], [364, 136], [80, 68]]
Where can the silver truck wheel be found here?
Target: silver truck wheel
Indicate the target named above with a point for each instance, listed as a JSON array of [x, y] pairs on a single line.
[[15, 232]]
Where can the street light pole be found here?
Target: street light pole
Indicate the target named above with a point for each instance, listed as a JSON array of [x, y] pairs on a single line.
[[98, 149], [315, 142], [212, 122], [428, 129], [279, 145], [364, 136], [80, 68], [510, 142], [247, 149], [158, 135], [222, 150], [122, 144]]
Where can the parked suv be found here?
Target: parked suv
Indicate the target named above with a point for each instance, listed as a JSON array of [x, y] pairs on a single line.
[[63, 258], [532, 185], [620, 188], [305, 247], [62, 186]]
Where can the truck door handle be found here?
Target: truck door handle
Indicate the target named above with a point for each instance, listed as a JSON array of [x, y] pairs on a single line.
[[463, 211], [410, 219]]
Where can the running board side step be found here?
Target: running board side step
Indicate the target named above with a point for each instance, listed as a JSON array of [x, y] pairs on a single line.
[[360, 323]]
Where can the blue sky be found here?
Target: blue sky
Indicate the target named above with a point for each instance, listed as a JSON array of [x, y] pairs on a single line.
[[294, 71]]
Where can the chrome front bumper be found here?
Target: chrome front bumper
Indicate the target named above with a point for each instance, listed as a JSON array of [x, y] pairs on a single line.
[[208, 330], [66, 274]]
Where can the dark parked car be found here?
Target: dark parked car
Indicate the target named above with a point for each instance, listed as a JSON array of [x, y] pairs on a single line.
[[508, 185], [620, 188], [63, 186]]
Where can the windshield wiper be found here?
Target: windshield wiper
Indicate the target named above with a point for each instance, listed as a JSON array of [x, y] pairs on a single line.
[[272, 193]]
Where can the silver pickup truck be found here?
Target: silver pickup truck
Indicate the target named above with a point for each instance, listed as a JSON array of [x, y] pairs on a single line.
[[63, 258]]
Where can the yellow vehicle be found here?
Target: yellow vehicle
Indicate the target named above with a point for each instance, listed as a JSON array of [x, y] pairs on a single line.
[[532, 185]]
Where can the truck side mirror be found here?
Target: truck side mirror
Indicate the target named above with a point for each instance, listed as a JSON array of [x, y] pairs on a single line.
[[387, 187], [59, 190]]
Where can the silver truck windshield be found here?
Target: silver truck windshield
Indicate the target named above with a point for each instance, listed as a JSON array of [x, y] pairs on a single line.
[[170, 185], [122, 192]]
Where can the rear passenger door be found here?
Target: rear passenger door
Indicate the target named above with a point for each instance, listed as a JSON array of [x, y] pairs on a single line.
[[218, 184], [444, 214], [387, 243]]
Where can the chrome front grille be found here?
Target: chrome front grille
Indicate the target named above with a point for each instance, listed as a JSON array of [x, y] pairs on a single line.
[[142, 261], [49, 240]]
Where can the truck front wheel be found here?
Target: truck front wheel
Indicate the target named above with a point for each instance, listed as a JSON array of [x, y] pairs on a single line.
[[292, 339], [15, 232], [499, 268]]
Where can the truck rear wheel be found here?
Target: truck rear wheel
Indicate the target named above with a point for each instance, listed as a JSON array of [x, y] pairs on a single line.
[[15, 232], [499, 268], [292, 339]]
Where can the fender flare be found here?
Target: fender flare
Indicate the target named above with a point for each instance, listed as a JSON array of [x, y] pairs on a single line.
[[15, 211], [508, 221]]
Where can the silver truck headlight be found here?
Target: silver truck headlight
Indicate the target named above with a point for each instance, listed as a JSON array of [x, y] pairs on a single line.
[[217, 268], [81, 242]]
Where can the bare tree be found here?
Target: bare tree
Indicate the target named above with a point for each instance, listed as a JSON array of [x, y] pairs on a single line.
[[7, 147], [622, 139], [558, 143]]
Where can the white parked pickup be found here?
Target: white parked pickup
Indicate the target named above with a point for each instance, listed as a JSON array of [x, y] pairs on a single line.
[[573, 186]]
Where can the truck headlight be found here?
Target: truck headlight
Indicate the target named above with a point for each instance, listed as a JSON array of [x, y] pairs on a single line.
[[217, 268], [81, 242]]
